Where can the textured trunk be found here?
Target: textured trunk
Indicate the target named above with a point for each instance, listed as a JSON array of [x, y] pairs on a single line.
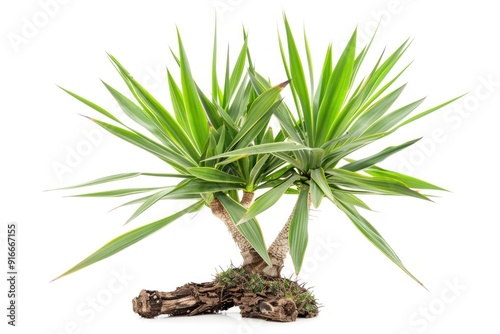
[[247, 199], [252, 261], [277, 252], [250, 256]]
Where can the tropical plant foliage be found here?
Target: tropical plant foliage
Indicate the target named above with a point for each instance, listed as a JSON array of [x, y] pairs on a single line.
[[221, 143]]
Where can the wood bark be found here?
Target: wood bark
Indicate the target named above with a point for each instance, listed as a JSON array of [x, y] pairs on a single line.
[[208, 298], [250, 256], [252, 261]]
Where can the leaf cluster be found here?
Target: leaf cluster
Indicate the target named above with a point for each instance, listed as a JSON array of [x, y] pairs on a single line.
[[221, 143]]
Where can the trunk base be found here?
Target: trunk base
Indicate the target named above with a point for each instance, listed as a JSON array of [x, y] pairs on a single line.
[[257, 295]]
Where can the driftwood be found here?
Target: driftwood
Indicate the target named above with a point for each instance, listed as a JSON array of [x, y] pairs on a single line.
[[212, 297], [256, 287]]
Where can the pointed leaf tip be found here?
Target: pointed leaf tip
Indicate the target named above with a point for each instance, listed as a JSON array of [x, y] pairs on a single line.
[[284, 84], [88, 117], [55, 279]]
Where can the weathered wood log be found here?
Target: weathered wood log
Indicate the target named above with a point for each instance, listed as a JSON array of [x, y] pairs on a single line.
[[273, 308], [189, 299], [212, 297]]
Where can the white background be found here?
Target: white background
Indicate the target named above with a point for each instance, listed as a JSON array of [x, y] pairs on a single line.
[[451, 245]]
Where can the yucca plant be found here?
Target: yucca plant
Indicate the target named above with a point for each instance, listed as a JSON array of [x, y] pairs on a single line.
[[223, 150], [331, 119], [234, 118]]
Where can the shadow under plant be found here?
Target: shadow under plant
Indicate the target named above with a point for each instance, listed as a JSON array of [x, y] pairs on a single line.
[[223, 150]]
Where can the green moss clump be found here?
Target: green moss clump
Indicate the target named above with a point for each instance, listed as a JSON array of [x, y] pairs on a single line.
[[281, 287], [256, 283], [232, 277]]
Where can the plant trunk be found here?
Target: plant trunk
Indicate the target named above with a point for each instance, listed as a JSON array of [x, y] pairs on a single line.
[[252, 261], [250, 256], [255, 301], [277, 252]]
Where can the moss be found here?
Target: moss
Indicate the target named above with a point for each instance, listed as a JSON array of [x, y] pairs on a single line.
[[232, 277], [276, 286], [310, 307], [256, 283]]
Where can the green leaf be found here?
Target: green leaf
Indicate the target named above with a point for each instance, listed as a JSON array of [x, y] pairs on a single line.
[[163, 119], [256, 173], [117, 192], [149, 202], [380, 73], [230, 160], [291, 160], [238, 69], [178, 103], [318, 176], [367, 91], [215, 175], [168, 196], [298, 234], [130, 108], [373, 236], [268, 199], [361, 102], [215, 83], [350, 145], [219, 148], [226, 119], [316, 194], [259, 109], [262, 149], [282, 113], [118, 177], [299, 84], [111, 178], [424, 113], [378, 157], [225, 95], [92, 105], [256, 133], [202, 186], [309, 62], [241, 101], [348, 197], [195, 113], [125, 240], [168, 155], [250, 230], [389, 121], [138, 115], [329, 145], [375, 112], [315, 158], [323, 80], [409, 181], [336, 92], [243, 166], [378, 185], [280, 173], [210, 109]]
